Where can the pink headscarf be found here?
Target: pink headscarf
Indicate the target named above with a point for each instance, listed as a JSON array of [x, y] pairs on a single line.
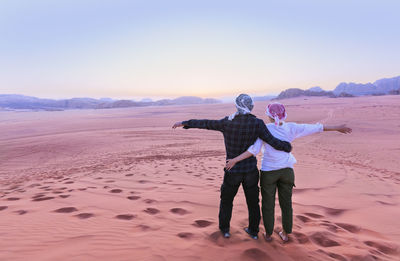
[[277, 112]]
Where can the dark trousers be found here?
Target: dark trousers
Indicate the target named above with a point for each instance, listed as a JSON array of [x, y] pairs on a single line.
[[283, 179], [229, 189]]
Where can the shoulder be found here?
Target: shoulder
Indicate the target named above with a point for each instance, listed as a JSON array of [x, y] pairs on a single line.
[[291, 124], [258, 120]]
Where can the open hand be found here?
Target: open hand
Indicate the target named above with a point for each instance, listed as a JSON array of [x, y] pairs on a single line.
[[177, 124], [229, 164], [344, 129]]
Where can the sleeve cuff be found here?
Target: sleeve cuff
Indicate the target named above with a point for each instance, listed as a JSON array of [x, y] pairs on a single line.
[[321, 127], [185, 123]]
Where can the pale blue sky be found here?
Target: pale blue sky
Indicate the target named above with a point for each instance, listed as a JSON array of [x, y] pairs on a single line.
[[148, 48]]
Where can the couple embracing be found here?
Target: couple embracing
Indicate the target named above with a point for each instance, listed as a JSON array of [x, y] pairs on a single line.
[[245, 135]]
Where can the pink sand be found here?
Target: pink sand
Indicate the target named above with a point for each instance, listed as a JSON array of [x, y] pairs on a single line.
[[120, 184]]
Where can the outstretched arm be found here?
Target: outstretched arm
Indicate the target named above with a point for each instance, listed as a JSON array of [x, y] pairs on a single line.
[[201, 124], [339, 128]]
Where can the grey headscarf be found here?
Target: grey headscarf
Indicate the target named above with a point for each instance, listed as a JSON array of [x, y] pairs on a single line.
[[244, 105]]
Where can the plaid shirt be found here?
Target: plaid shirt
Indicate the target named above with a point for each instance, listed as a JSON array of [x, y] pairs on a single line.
[[239, 134]]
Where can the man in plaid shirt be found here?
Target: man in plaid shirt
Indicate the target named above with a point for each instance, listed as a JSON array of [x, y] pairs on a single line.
[[240, 131]]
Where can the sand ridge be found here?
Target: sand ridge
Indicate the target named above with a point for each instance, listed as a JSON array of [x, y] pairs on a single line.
[[120, 184]]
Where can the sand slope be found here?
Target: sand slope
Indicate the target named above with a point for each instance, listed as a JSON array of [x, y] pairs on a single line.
[[120, 184]]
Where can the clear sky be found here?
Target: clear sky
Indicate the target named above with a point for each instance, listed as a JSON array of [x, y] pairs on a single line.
[[168, 48]]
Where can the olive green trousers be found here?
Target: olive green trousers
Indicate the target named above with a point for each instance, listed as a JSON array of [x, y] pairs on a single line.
[[283, 180]]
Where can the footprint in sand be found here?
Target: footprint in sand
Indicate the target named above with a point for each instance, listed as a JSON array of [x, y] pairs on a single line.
[[66, 210], [300, 237], [334, 211], [3, 207], [337, 256], [21, 212], [330, 226], [349, 227], [84, 215], [69, 182], [150, 201], [64, 196], [39, 195], [99, 178], [116, 190], [303, 219], [313, 215], [254, 254], [202, 223], [12, 199], [179, 211], [151, 211], [41, 198], [109, 181], [185, 235], [129, 175], [125, 216], [323, 239], [133, 197], [382, 247], [386, 203]]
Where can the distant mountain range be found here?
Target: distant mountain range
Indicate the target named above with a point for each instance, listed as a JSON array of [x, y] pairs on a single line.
[[380, 87], [22, 102], [14, 101]]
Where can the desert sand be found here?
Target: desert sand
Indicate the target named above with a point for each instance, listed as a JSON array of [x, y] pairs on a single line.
[[121, 184]]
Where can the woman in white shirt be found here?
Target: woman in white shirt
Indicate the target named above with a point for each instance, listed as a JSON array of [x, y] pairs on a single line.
[[277, 166]]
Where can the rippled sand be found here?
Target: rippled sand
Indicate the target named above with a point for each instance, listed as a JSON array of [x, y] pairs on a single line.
[[120, 184]]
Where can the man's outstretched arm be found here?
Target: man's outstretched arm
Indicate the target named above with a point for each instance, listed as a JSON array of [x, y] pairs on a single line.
[[277, 144], [201, 124]]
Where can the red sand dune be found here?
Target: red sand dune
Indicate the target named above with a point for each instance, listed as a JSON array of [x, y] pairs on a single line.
[[120, 184]]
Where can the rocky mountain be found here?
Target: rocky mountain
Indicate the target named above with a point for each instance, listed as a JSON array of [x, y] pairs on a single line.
[[358, 89], [295, 92], [387, 85], [316, 89], [379, 87], [264, 98], [15, 101]]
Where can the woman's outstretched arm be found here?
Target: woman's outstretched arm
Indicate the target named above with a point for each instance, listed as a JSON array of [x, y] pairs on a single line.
[[340, 128]]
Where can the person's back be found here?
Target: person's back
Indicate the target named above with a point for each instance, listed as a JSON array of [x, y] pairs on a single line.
[[239, 134], [274, 159]]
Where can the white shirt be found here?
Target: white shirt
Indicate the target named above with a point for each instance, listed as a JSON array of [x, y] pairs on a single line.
[[275, 159]]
